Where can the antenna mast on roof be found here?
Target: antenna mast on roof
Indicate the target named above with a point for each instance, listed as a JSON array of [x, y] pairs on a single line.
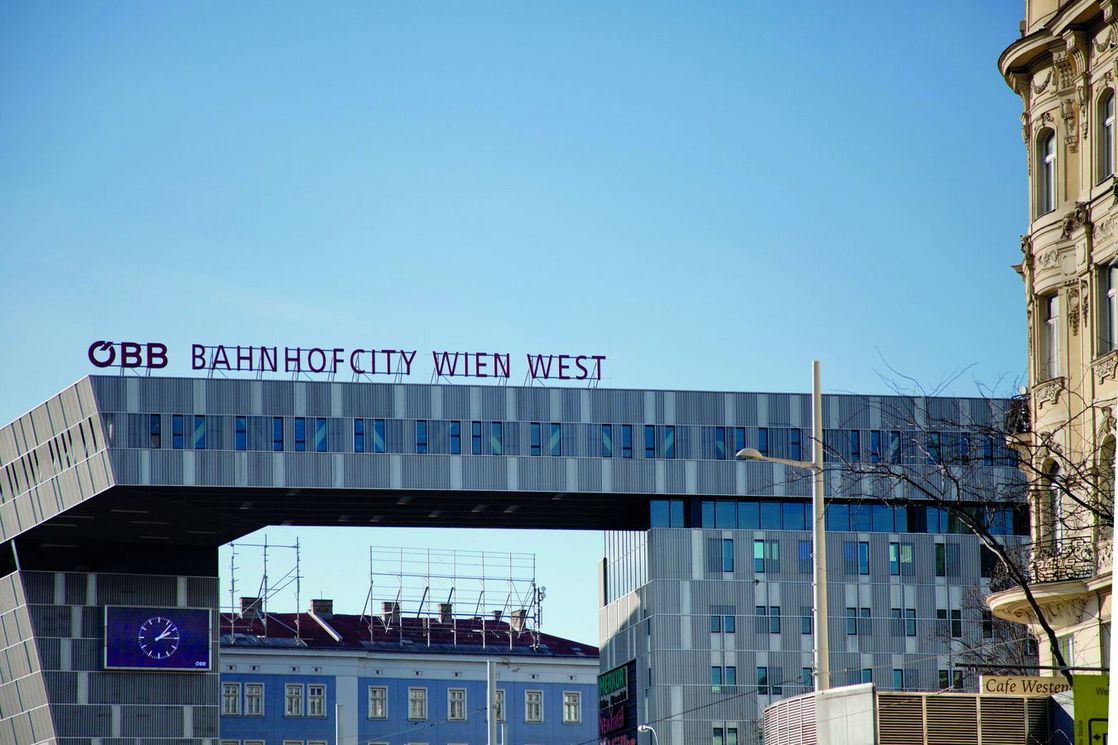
[[406, 581]]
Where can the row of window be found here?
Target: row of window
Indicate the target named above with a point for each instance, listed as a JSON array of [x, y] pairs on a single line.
[[299, 699], [856, 557], [20, 475], [1106, 324], [1046, 183], [770, 681], [858, 517], [902, 622], [547, 439], [310, 700]]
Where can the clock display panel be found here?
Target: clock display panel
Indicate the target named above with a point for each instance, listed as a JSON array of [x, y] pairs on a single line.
[[157, 638]]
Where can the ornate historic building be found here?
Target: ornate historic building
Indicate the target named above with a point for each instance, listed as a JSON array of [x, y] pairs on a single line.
[[1064, 68]]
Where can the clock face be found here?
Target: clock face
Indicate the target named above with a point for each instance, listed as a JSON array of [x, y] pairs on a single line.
[[158, 637]]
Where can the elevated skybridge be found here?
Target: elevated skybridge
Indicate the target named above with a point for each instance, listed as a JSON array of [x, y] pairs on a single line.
[[200, 462], [116, 493]]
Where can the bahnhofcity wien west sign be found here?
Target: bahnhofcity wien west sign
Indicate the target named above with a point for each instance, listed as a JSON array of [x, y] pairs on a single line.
[[360, 361]]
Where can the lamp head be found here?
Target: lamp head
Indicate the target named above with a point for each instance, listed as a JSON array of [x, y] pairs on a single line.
[[749, 454], [644, 728]]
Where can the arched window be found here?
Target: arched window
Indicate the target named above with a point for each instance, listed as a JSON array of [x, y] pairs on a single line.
[[1046, 172], [1106, 136]]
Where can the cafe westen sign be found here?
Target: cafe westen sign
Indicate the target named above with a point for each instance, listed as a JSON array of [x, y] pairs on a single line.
[[360, 362]]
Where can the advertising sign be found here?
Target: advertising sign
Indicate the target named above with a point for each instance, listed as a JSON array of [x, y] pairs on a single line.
[[360, 362], [157, 638], [1091, 695], [1022, 685], [617, 706]]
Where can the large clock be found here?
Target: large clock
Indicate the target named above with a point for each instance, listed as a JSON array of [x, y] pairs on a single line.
[[158, 638]]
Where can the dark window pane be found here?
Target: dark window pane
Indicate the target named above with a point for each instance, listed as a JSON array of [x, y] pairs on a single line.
[[154, 430], [649, 441], [726, 515], [855, 446], [300, 434], [658, 514], [838, 516], [626, 441], [861, 518], [456, 438], [607, 441], [320, 435], [534, 439], [763, 440], [176, 432], [875, 446], [882, 517], [728, 555], [729, 624], [669, 442], [475, 438], [795, 516], [720, 443], [716, 624], [421, 436], [240, 433], [758, 556], [277, 433], [358, 435], [677, 513], [749, 517], [555, 439], [707, 518], [496, 439], [770, 515], [739, 438], [199, 432], [795, 444], [378, 436]]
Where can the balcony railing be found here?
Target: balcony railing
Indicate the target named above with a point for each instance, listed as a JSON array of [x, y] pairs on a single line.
[[1017, 416], [1056, 561]]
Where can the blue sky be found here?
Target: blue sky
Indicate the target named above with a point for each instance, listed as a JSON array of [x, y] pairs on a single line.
[[711, 195]]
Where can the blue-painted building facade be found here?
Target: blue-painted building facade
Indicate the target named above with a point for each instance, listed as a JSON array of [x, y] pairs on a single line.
[[354, 679]]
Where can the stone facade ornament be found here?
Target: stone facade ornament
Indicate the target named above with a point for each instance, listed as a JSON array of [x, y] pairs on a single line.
[[1071, 133], [1105, 366], [1073, 310], [1048, 259], [1042, 86], [1048, 392]]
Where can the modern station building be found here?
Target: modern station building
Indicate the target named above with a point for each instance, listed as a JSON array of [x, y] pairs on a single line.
[[116, 494]]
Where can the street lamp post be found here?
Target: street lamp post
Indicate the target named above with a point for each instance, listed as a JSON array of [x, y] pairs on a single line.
[[648, 728], [818, 528]]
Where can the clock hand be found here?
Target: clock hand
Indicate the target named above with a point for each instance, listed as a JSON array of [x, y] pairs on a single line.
[[165, 634]]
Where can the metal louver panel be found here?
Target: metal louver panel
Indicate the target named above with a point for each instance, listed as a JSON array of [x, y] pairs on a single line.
[[952, 719], [1036, 714], [900, 719], [1002, 721]]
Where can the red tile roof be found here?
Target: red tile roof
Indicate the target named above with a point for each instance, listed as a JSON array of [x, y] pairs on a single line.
[[460, 636]]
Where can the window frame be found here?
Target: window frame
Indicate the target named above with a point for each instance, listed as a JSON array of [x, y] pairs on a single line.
[[1105, 113], [371, 701], [236, 709], [572, 699], [256, 696], [319, 697], [533, 699], [417, 703], [294, 693], [1046, 183], [452, 704]]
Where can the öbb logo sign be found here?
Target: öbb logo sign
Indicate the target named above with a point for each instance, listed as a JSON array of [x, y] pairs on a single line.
[[128, 354]]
